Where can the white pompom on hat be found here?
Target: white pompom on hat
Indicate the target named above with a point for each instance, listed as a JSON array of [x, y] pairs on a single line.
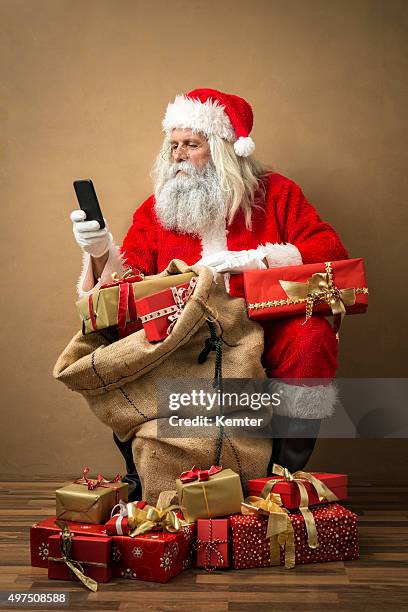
[[213, 112]]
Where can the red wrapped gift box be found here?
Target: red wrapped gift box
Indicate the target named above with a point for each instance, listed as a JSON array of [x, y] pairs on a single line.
[[212, 543], [40, 532], [159, 312], [336, 530], [154, 556], [279, 292], [118, 523], [86, 550], [289, 491]]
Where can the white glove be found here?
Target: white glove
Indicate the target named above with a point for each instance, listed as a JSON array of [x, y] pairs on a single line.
[[235, 261], [90, 238]]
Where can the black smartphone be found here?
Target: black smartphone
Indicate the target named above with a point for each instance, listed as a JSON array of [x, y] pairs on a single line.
[[88, 202]]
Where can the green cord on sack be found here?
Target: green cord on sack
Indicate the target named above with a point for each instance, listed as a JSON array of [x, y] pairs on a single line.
[[214, 343]]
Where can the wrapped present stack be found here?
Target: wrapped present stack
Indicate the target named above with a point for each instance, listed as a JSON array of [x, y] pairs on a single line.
[[287, 520], [134, 302]]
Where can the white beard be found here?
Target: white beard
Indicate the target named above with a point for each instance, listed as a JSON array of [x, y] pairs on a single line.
[[192, 202]]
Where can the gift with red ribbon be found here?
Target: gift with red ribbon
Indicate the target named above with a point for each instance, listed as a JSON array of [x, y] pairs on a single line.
[[332, 288], [160, 312], [88, 500], [209, 493], [114, 303], [212, 544]]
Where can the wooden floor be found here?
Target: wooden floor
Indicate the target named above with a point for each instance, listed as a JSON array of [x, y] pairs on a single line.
[[377, 581]]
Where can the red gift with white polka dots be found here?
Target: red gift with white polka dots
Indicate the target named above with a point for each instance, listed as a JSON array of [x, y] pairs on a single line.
[[336, 530]]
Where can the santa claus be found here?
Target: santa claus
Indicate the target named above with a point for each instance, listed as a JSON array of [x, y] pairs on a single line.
[[215, 204]]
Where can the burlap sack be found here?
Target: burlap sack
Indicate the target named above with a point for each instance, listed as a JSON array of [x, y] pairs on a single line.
[[118, 381]]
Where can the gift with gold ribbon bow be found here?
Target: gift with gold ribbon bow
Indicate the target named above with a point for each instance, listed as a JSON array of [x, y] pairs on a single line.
[[77, 556], [279, 529], [299, 478], [268, 534], [320, 487], [334, 288], [142, 517]]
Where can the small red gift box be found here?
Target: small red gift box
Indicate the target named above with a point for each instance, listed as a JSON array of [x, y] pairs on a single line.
[[40, 532], [322, 288], [94, 554], [336, 529], [118, 523], [159, 312], [212, 543], [154, 556], [289, 491]]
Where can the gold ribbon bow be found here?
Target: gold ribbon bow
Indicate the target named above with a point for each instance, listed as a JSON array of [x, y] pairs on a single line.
[[76, 567], [299, 478], [321, 288], [160, 519], [279, 530]]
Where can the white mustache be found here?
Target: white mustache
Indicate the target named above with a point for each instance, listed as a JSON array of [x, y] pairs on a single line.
[[186, 166]]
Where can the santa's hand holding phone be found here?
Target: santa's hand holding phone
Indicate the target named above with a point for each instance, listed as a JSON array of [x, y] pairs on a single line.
[[89, 236]]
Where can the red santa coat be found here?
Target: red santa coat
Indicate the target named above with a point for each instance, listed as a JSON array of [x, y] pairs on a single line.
[[291, 350]]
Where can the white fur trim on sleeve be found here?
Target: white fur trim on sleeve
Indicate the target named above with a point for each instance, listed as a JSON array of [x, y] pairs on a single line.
[[279, 255], [86, 282], [207, 117], [303, 402]]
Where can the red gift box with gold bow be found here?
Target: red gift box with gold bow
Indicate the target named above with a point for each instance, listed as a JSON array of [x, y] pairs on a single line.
[[40, 532], [159, 312], [331, 288], [84, 558], [264, 537], [314, 486]]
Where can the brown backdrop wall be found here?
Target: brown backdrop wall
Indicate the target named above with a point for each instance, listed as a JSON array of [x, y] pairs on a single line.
[[84, 88]]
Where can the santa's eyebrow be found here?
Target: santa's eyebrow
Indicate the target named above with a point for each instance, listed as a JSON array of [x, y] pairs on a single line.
[[192, 138]]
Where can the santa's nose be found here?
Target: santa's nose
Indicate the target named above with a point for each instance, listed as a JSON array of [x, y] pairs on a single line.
[[180, 154]]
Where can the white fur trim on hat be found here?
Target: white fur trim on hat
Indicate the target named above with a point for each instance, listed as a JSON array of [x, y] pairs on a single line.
[[278, 255], [244, 146], [300, 402], [208, 117]]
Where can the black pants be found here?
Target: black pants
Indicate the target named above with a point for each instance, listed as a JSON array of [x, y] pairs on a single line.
[[293, 442], [132, 477]]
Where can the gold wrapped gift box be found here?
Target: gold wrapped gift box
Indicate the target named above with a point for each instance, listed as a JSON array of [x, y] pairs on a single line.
[[76, 502], [220, 495], [105, 301]]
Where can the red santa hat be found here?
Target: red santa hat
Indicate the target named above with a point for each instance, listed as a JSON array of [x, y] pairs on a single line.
[[213, 112]]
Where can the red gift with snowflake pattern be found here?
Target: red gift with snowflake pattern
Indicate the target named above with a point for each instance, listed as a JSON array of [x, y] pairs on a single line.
[[336, 531], [40, 532], [154, 556]]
